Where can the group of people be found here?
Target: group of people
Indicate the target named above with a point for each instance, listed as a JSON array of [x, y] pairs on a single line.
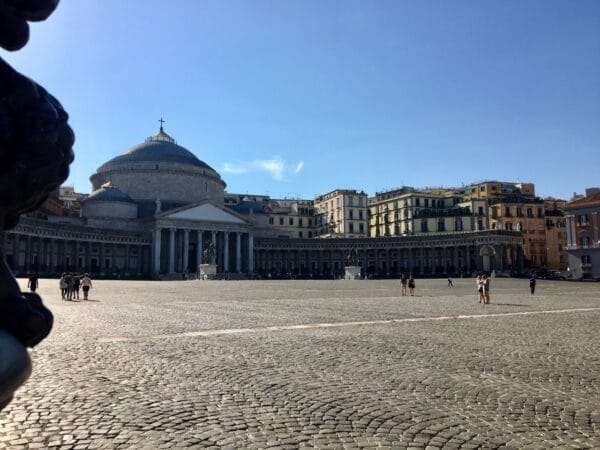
[[407, 282], [71, 283], [483, 287]]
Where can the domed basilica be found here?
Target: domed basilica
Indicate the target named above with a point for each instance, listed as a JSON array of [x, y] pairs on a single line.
[[157, 208]]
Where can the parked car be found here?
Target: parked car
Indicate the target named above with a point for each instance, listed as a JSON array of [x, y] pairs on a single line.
[[558, 275]]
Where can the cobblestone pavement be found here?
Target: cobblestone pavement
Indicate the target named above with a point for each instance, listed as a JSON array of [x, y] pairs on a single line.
[[321, 364]]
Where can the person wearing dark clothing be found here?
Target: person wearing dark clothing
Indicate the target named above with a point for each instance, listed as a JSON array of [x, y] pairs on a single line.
[[32, 284], [403, 283], [532, 283], [411, 285], [76, 285]]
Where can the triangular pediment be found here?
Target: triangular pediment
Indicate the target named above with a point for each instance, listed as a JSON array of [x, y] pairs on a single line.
[[205, 212]]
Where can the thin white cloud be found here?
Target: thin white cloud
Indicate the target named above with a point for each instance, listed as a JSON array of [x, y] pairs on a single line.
[[230, 168], [274, 166], [277, 167]]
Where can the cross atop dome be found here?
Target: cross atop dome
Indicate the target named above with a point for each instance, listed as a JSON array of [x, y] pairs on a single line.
[[161, 136]]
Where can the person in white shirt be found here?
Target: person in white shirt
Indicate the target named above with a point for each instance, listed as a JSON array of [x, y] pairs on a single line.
[[86, 285]]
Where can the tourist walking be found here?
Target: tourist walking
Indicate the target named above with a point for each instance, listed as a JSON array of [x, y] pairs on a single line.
[[76, 285], [403, 283], [480, 288], [62, 283], [532, 283], [32, 284], [450, 282], [70, 282], [86, 285], [411, 285], [486, 289]]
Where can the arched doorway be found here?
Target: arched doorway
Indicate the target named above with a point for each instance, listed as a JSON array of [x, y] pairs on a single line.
[[488, 254]]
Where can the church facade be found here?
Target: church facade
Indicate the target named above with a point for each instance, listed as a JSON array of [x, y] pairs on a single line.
[[155, 208]]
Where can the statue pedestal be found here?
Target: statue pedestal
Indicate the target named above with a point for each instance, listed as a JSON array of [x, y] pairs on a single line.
[[352, 273], [207, 271], [15, 366]]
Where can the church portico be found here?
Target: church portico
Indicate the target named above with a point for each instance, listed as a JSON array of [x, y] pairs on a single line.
[[181, 236]]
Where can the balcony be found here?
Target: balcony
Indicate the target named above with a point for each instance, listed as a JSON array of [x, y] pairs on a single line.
[[585, 247]]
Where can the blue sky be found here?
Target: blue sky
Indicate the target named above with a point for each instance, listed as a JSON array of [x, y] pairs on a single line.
[[297, 98]]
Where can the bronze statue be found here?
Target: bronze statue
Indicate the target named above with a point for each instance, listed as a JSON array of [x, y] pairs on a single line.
[[352, 258], [209, 253], [35, 152]]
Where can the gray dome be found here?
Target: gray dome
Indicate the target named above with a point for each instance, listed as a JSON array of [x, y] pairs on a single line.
[[247, 206], [158, 148], [161, 169], [108, 193]]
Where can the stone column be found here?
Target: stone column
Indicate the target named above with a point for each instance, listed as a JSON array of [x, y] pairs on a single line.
[[101, 253], [214, 243], [388, 262], [226, 251], [41, 261], [468, 258], [250, 253], [66, 252], [113, 265], [569, 225], [320, 262], [15, 252], [140, 259], [48, 256], [198, 249], [127, 263], [28, 252], [156, 244], [171, 250], [41, 254], [88, 257], [186, 249], [238, 252], [77, 250], [54, 256], [499, 257], [455, 259], [444, 263], [573, 230]]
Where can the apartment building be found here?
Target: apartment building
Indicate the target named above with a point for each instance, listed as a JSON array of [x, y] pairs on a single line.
[[342, 213], [583, 236], [408, 211]]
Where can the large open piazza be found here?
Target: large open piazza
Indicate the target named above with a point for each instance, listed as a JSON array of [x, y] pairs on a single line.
[[323, 364]]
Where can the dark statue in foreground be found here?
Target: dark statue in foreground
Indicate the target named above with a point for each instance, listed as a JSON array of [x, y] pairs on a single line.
[[35, 153]]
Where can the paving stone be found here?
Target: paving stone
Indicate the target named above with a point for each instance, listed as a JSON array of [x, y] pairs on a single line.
[[165, 365]]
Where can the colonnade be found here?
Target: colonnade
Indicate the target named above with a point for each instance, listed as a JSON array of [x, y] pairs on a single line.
[[180, 250], [48, 255], [320, 259]]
